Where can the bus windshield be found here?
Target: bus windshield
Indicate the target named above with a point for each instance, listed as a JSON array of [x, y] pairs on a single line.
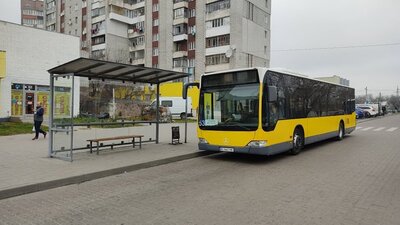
[[233, 107]]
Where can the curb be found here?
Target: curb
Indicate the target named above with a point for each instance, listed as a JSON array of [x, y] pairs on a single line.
[[13, 192]]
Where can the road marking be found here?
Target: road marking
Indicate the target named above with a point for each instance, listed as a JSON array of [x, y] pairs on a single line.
[[368, 128], [380, 128], [359, 128], [392, 129]]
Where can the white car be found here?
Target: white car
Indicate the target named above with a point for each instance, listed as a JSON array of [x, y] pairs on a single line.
[[369, 110]]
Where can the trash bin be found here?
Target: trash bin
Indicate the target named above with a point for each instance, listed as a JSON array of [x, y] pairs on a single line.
[[175, 135]]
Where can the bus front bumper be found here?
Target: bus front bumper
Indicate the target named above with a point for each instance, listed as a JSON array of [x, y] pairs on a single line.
[[269, 150]]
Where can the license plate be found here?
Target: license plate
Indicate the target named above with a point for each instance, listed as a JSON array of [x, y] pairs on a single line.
[[226, 149]]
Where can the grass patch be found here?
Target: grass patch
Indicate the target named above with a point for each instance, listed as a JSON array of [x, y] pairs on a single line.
[[13, 128]]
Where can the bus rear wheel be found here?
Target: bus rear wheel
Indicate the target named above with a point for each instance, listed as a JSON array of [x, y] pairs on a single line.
[[340, 131], [298, 141]]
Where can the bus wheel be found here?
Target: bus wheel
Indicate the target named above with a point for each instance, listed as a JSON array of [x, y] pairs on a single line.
[[298, 141], [340, 131]]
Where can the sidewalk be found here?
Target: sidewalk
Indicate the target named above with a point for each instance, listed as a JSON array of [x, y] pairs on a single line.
[[25, 167]]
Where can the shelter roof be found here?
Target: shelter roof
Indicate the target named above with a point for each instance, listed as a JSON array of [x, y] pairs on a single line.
[[98, 69]]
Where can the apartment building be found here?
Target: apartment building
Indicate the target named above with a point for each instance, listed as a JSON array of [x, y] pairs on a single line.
[[32, 13], [182, 35]]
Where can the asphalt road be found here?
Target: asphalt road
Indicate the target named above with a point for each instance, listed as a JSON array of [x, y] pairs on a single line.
[[354, 181]]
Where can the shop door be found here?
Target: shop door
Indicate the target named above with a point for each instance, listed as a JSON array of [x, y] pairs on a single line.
[[29, 103]]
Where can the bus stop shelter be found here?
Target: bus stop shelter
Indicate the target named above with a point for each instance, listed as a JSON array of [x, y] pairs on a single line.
[[63, 79]]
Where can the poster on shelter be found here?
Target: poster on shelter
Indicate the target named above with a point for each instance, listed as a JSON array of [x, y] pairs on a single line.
[[62, 103]]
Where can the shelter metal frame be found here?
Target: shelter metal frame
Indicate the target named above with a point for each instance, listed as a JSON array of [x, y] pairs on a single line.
[[104, 70]]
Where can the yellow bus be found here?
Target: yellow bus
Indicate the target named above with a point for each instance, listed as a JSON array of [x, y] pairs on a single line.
[[266, 112]]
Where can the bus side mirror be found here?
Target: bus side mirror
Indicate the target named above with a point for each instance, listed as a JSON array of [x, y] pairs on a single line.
[[272, 94], [186, 86]]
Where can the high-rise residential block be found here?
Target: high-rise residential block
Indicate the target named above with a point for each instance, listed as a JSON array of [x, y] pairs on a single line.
[[32, 13], [182, 35]]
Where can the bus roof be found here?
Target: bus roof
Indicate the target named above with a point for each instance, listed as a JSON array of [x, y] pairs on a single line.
[[263, 70]]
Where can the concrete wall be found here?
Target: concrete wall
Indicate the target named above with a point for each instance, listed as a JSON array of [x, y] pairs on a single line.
[[30, 53]]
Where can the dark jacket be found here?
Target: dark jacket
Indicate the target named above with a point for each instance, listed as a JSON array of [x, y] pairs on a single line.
[[39, 114]]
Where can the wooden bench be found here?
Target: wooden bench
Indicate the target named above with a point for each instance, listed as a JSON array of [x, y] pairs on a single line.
[[98, 140]]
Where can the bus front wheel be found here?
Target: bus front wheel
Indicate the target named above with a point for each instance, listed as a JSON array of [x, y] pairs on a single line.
[[298, 141]]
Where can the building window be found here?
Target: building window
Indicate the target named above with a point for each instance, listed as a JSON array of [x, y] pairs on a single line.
[[180, 62], [99, 40], [155, 51], [180, 13], [218, 41], [98, 12], [156, 37], [98, 54], [180, 29], [98, 27], [216, 59], [218, 22], [192, 62], [155, 23], [192, 30], [192, 45], [192, 13], [255, 14], [216, 6], [138, 27], [138, 41], [156, 7]]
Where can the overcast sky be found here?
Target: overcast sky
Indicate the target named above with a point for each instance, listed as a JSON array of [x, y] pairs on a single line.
[[310, 24], [313, 24]]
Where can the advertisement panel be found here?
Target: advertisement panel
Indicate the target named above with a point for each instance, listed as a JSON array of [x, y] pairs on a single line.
[[2, 64]]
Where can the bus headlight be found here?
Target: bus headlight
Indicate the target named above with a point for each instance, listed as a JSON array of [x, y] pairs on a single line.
[[257, 144], [203, 141]]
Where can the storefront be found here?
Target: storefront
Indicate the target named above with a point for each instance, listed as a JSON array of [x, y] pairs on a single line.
[[25, 98]]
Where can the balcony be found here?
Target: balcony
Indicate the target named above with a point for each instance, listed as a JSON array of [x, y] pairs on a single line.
[[218, 31], [97, 32], [218, 67], [181, 4], [137, 47], [132, 5], [180, 37], [137, 61], [217, 50], [179, 54], [119, 3], [133, 33], [180, 69], [99, 47], [181, 20], [121, 18]]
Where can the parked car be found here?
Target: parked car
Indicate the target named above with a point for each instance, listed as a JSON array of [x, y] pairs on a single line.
[[369, 110], [359, 113]]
